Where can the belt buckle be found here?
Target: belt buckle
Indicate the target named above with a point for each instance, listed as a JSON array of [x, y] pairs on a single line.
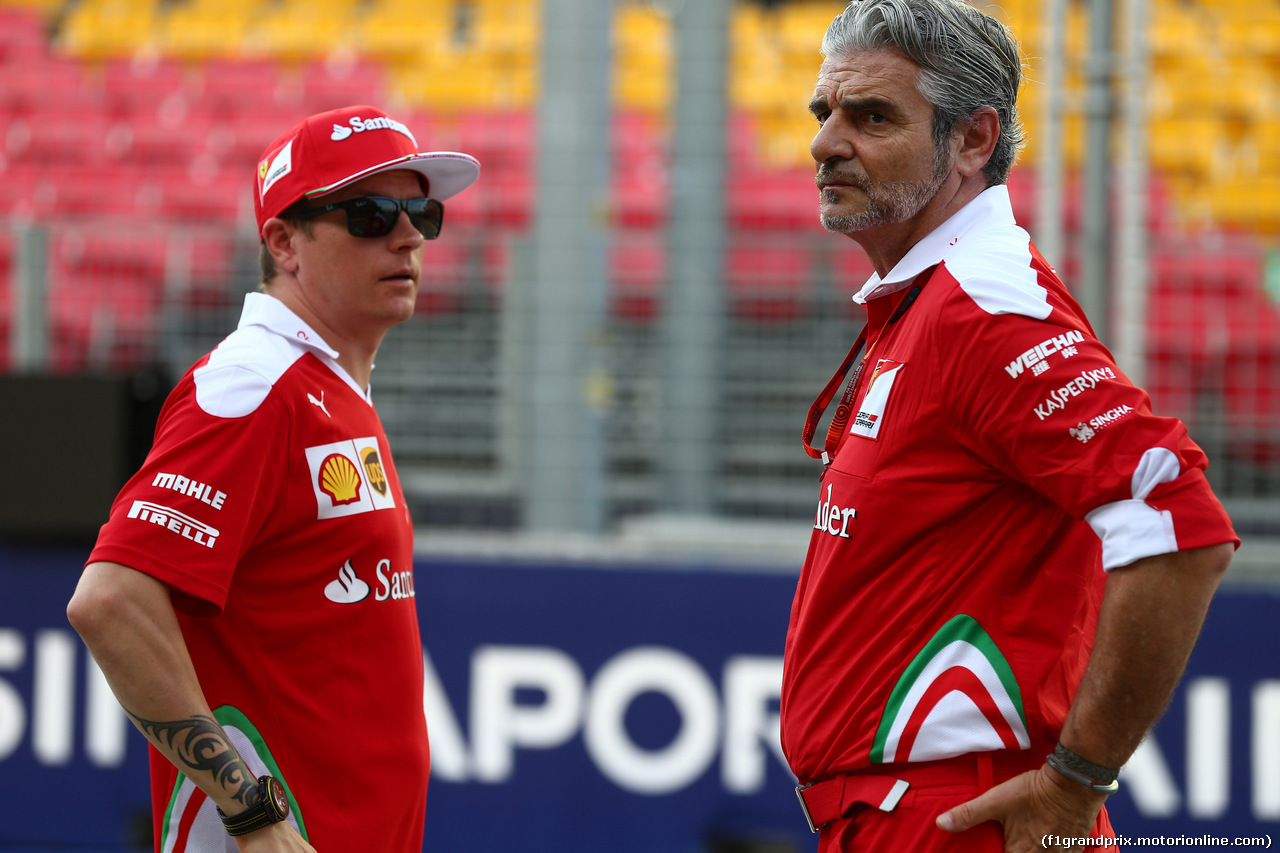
[[804, 807]]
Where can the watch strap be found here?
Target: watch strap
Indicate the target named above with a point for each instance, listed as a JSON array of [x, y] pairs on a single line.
[[1082, 771], [260, 815]]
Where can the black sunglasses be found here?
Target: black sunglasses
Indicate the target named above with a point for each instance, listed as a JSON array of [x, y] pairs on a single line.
[[375, 215]]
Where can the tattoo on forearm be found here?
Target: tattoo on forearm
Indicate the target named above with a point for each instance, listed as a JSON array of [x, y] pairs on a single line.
[[200, 744]]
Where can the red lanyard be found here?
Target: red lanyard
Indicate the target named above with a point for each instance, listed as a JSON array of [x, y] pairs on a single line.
[[841, 418]]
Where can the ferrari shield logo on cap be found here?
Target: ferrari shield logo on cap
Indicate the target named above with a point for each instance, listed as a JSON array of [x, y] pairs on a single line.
[[280, 166]]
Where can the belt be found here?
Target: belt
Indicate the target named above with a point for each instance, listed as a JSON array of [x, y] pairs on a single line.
[[823, 802], [827, 799]]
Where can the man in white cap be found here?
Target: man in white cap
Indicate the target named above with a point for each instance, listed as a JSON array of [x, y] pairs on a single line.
[[251, 598]]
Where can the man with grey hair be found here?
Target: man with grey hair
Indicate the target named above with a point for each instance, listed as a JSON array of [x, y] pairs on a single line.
[[1012, 555]]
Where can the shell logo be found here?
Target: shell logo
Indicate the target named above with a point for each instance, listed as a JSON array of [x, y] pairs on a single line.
[[373, 470], [339, 479]]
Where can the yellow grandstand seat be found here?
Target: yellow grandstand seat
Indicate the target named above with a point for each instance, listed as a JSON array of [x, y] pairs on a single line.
[[1180, 30], [643, 69], [1186, 144], [452, 80], [296, 29], [508, 28], [204, 28], [49, 6], [1252, 202], [103, 28], [397, 31], [801, 25]]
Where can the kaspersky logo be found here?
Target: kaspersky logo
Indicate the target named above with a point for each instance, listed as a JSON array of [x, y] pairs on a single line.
[[958, 695]]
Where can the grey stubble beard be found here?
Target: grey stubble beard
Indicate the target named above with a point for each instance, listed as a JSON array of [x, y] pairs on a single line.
[[888, 202]]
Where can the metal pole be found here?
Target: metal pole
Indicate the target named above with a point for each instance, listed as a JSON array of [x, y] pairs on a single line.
[[1049, 219], [568, 386], [1131, 284], [1095, 253], [29, 336], [693, 325]]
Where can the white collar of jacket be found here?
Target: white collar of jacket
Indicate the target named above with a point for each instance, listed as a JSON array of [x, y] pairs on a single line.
[[262, 309], [991, 207]]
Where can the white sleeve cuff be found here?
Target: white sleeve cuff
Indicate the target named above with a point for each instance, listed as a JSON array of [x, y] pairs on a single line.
[[1131, 530]]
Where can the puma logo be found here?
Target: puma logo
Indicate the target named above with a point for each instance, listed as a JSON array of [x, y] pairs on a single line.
[[319, 403]]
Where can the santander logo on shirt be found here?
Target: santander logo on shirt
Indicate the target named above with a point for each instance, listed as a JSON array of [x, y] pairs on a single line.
[[348, 588], [833, 519]]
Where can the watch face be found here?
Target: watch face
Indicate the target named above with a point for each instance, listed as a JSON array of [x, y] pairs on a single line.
[[279, 799]]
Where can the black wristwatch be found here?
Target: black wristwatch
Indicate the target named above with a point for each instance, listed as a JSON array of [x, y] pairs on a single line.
[[272, 807]]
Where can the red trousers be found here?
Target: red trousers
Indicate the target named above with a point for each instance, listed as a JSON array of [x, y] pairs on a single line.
[[933, 788]]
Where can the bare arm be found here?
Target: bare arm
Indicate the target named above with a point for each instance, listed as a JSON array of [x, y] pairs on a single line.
[[126, 619], [1151, 615]]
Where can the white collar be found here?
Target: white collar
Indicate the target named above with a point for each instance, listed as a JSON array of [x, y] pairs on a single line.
[[263, 309], [990, 207]]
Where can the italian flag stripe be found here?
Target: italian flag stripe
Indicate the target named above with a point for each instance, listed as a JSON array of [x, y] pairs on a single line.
[[186, 801], [957, 695]]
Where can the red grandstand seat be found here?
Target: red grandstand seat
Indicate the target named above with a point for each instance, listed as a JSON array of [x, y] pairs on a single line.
[[850, 269], [742, 143], [77, 192], [235, 86], [639, 194], [497, 138], [160, 139], [640, 171], [186, 195], [44, 85], [780, 199], [767, 283], [105, 294], [23, 37], [637, 271], [20, 184], [444, 276], [466, 210], [328, 84], [1252, 374], [140, 85], [504, 199], [205, 281]]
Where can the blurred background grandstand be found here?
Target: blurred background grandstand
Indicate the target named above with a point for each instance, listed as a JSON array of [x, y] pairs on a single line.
[[129, 130]]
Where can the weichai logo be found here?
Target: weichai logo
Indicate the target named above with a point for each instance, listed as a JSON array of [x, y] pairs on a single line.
[[958, 695]]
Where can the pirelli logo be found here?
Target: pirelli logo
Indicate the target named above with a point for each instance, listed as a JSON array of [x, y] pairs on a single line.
[[175, 522]]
